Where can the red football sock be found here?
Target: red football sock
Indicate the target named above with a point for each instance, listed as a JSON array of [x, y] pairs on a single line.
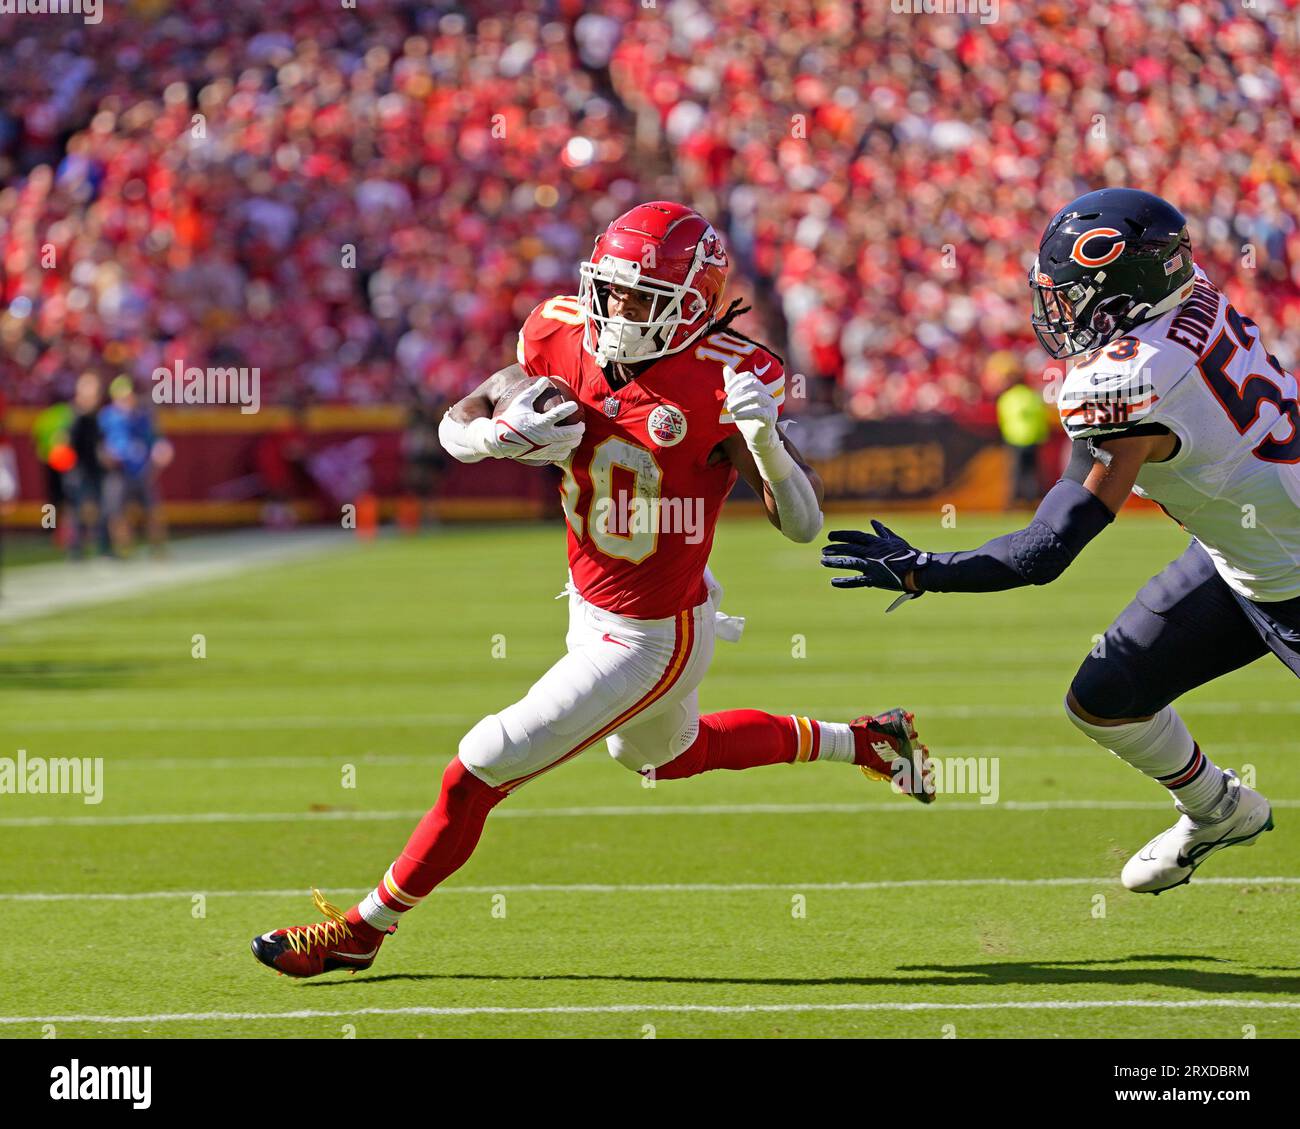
[[441, 843], [735, 739]]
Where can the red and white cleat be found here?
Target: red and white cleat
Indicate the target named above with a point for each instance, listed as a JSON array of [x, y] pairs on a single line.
[[886, 747], [326, 946]]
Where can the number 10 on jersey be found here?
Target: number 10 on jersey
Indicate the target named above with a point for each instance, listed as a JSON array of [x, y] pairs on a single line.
[[623, 513]]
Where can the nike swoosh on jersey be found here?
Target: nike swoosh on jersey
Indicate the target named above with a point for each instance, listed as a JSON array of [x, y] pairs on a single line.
[[760, 371]]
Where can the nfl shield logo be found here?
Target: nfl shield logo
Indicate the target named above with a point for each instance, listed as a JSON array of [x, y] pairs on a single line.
[[611, 407]]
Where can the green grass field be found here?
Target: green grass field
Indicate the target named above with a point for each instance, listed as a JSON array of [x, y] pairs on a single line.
[[785, 901]]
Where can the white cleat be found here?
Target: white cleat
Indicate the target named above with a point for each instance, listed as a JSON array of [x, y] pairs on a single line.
[[1171, 858]]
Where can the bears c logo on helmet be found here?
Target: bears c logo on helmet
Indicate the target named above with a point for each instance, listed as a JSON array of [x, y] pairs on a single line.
[[1080, 256]]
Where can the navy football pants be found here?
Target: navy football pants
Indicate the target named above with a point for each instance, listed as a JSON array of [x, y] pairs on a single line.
[[1184, 628]]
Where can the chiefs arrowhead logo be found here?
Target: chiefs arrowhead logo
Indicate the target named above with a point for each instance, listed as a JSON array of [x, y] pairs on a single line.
[[1080, 256]]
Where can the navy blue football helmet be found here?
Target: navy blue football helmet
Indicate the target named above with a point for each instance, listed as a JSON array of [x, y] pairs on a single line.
[[1107, 262]]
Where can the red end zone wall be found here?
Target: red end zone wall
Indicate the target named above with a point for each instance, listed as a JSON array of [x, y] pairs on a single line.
[[219, 475], [220, 472]]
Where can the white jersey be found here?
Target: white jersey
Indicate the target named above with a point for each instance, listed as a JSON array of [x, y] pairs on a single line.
[[1234, 483]]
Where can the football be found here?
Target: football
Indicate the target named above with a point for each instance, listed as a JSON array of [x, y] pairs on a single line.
[[557, 392]]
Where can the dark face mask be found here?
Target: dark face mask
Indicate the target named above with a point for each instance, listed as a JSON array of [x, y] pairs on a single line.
[[1066, 321]]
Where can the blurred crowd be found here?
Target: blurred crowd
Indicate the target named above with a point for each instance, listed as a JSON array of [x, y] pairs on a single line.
[[888, 176], [364, 203]]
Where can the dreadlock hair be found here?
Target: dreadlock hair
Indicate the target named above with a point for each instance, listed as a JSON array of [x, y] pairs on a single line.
[[729, 315]]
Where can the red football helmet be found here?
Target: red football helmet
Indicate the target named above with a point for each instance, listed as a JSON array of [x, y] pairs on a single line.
[[671, 256]]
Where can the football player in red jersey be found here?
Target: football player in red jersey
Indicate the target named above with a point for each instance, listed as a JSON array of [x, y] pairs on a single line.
[[676, 405]]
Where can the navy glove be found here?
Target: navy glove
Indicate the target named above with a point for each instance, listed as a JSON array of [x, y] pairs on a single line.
[[883, 560]]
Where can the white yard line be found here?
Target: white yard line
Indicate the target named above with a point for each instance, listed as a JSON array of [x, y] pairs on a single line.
[[398, 721], [917, 811], [139, 764], [218, 724], [38, 590], [633, 1009], [642, 888]]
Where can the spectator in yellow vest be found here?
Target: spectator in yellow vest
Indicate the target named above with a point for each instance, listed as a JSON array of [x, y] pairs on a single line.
[[1023, 421]]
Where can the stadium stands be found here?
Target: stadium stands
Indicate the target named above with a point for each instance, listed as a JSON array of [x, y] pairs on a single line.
[[363, 204]]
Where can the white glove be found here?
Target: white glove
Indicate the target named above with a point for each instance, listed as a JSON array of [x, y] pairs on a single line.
[[536, 437], [755, 413], [520, 433], [751, 405]]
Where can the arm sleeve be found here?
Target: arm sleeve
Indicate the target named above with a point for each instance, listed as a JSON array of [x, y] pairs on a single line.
[[467, 442], [796, 504], [1066, 520], [1082, 456]]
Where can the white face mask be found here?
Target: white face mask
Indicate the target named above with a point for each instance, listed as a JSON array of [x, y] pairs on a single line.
[[622, 340]]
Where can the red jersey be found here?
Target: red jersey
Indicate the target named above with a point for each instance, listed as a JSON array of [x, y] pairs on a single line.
[[640, 497]]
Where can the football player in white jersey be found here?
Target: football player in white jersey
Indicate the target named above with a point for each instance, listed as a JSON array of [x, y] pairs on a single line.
[[1175, 399]]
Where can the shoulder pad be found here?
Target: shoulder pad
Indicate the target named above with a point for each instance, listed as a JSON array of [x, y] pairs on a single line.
[[723, 348], [546, 318], [1120, 385]]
